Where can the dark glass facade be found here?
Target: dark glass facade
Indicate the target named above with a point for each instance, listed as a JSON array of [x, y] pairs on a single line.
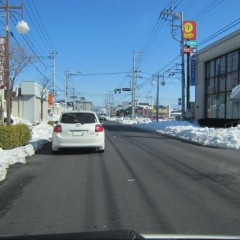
[[221, 75]]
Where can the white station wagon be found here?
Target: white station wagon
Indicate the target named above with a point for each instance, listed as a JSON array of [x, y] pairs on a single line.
[[78, 129]]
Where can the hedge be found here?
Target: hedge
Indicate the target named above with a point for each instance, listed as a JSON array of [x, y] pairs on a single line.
[[14, 136]]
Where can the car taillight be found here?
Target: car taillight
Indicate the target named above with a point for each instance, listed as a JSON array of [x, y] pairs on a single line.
[[57, 129], [99, 128]]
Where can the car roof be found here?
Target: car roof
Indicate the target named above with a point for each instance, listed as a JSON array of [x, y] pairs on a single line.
[[81, 111]]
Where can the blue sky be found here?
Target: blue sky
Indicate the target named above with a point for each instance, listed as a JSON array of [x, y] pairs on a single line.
[[98, 37]]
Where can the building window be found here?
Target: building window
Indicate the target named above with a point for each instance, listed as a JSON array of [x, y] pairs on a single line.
[[220, 66], [233, 108], [222, 74], [232, 61], [232, 80], [210, 85], [216, 106], [210, 82], [220, 79], [220, 84]]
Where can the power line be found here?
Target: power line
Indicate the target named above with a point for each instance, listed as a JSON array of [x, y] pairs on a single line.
[[53, 47], [33, 23], [30, 45], [30, 61], [41, 26], [103, 74], [207, 9], [222, 30]]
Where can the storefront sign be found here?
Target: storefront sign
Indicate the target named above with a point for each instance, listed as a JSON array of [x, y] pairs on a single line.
[[189, 30], [189, 50], [193, 71]]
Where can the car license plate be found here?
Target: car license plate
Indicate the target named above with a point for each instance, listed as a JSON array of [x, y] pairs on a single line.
[[78, 133]]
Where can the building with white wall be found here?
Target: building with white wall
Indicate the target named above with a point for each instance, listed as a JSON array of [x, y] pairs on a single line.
[[27, 102]]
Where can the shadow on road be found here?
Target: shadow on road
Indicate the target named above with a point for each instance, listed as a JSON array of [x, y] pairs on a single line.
[[142, 136], [47, 150], [121, 128]]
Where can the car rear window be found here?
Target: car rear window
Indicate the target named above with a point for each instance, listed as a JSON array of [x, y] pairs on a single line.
[[82, 118]]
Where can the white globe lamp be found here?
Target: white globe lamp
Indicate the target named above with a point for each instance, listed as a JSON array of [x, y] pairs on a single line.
[[22, 27]]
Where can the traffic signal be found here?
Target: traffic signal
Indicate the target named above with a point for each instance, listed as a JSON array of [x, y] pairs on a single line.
[[179, 101], [117, 90]]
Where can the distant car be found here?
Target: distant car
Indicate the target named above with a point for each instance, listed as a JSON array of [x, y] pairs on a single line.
[[78, 129], [102, 117]]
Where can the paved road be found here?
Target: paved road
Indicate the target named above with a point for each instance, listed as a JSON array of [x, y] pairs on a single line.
[[144, 181]]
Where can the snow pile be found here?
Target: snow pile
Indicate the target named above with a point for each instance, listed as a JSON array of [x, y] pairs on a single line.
[[17, 120], [221, 137], [53, 117], [9, 157], [41, 134], [126, 120]]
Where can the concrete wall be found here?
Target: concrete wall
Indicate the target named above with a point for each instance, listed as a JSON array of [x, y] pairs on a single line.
[[83, 106]]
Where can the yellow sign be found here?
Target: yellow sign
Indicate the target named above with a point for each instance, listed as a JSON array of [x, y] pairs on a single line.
[[189, 30]]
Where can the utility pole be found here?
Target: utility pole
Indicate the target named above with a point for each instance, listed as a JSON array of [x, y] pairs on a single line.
[[22, 28], [6, 66], [157, 95], [134, 83], [109, 103], [73, 98], [133, 87], [180, 17], [157, 99], [183, 67], [67, 75], [188, 82], [53, 57]]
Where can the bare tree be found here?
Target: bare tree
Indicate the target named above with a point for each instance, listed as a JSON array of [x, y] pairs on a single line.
[[46, 84], [19, 59]]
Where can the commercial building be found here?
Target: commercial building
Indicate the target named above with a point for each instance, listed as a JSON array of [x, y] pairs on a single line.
[[217, 73]]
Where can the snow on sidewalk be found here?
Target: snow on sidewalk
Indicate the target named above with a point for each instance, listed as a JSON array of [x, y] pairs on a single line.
[[41, 134]]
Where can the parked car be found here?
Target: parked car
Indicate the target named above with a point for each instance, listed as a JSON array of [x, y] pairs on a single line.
[[78, 129]]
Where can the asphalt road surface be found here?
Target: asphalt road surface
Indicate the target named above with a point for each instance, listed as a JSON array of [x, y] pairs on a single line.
[[143, 181]]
